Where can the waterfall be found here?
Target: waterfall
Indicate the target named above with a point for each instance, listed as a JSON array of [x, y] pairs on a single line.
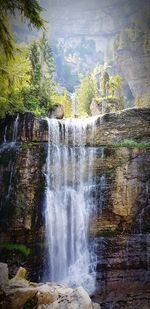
[[7, 144], [69, 207], [15, 129], [10, 147]]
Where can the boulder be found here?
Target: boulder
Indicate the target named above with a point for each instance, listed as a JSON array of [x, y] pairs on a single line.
[[78, 299], [19, 293], [57, 111], [46, 294], [49, 295], [96, 306], [3, 275]]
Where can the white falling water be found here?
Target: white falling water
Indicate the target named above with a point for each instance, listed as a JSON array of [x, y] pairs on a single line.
[[15, 129], [10, 144], [7, 146], [68, 202]]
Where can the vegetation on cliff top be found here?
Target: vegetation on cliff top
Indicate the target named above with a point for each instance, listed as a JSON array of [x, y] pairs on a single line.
[[101, 87], [132, 144], [26, 72], [27, 80]]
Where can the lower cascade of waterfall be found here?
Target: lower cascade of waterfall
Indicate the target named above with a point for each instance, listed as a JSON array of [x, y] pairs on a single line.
[[69, 203]]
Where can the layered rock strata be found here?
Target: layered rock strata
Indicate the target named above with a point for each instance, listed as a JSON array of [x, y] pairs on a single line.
[[122, 197]]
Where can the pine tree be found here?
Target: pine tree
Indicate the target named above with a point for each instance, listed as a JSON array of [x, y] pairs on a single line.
[[36, 66], [67, 104], [42, 71], [47, 65], [87, 91], [29, 10]]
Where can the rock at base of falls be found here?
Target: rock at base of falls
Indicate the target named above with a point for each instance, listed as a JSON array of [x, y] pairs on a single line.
[[21, 293], [3, 275]]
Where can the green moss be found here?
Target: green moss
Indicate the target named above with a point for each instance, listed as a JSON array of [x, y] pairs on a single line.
[[29, 145], [108, 151], [7, 156], [17, 247], [30, 304], [7, 214], [129, 143], [107, 233], [108, 99]]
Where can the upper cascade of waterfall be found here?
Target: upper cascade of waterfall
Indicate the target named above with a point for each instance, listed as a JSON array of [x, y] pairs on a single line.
[[15, 129], [73, 130]]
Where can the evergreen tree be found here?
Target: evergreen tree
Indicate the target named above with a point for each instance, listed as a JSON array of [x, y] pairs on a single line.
[[36, 66], [42, 84], [115, 86], [47, 65], [29, 10], [67, 104], [104, 83], [87, 91]]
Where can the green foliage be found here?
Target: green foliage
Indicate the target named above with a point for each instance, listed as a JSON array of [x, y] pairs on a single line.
[[107, 233], [37, 98], [132, 144], [26, 80], [47, 65], [115, 85], [29, 10], [102, 76], [104, 84], [109, 89], [30, 304], [143, 101], [102, 88], [67, 104], [14, 78], [17, 247], [87, 91]]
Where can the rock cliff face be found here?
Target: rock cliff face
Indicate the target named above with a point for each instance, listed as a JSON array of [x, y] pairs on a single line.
[[121, 227], [109, 128], [134, 62]]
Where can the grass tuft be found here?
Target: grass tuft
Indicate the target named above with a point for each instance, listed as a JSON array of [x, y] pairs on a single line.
[[132, 144], [17, 247]]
